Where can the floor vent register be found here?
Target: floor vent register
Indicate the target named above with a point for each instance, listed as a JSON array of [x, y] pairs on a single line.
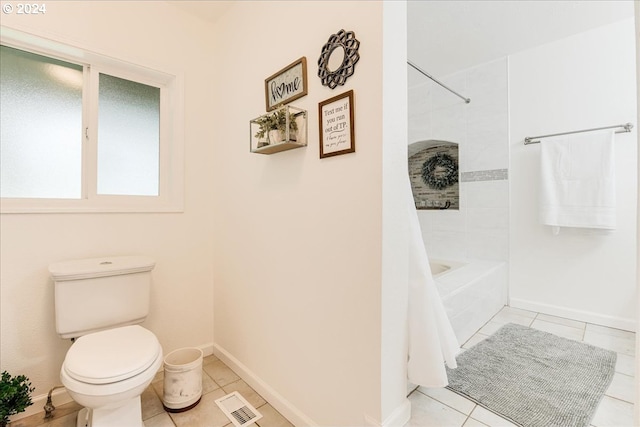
[[238, 410]]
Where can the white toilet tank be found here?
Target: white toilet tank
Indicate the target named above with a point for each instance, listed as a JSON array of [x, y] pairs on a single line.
[[100, 293]]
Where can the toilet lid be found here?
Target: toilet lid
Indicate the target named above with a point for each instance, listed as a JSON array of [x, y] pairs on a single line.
[[112, 355]]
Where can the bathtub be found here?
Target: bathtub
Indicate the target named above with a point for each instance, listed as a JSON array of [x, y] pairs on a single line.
[[472, 292]]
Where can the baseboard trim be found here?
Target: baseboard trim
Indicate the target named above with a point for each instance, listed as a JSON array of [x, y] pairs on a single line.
[[570, 313], [59, 397], [398, 418], [207, 349], [282, 405]]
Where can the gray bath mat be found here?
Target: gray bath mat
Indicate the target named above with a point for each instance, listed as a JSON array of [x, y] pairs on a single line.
[[534, 378]]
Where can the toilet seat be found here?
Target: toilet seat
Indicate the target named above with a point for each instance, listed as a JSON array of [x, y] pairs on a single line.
[[111, 356]]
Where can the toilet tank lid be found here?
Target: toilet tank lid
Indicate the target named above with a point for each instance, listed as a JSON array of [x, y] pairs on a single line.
[[100, 267]]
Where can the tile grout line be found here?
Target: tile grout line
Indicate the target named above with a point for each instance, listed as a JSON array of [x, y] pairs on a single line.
[[533, 319], [449, 406], [619, 400], [475, 405]]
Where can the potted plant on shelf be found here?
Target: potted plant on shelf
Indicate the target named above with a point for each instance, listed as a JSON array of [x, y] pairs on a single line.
[[266, 123], [15, 396], [273, 127]]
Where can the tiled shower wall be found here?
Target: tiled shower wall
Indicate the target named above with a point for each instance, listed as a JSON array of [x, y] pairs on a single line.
[[479, 229]]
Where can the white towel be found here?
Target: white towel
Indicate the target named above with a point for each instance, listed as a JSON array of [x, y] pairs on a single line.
[[578, 181]]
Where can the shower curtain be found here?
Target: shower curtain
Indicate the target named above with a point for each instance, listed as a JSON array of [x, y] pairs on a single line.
[[432, 342]]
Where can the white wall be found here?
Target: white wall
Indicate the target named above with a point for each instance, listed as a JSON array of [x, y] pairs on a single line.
[[580, 82], [396, 409], [298, 239], [182, 293], [479, 229]]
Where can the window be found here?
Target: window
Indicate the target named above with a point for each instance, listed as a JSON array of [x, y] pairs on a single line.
[[41, 126], [80, 132], [128, 137]]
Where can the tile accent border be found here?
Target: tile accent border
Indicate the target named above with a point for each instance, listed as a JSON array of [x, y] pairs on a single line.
[[486, 175]]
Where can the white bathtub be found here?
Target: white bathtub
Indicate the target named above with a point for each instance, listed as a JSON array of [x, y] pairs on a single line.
[[472, 292]]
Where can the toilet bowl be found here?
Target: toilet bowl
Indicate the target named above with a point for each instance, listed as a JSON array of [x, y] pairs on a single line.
[[107, 371], [99, 303]]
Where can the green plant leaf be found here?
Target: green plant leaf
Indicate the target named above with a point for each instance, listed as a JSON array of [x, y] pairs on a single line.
[[15, 395]]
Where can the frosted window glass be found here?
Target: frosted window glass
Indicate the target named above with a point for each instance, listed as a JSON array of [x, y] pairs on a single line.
[[40, 126], [128, 137]]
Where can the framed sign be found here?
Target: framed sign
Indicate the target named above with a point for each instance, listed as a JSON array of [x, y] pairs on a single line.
[[336, 125], [286, 85]]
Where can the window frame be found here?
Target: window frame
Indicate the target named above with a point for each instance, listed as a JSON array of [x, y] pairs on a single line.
[[171, 151]]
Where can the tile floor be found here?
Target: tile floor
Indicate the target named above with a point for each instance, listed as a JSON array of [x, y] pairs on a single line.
[[443, 408], [430, 407], [217, 381]]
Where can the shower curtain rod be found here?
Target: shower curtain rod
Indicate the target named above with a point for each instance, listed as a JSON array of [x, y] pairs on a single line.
[[466, 100], [625, 128]]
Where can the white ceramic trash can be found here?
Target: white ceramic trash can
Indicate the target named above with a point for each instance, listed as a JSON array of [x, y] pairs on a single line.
[[182, 379]]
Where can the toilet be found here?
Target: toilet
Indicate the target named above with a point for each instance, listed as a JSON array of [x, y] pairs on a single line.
[[99, 304]]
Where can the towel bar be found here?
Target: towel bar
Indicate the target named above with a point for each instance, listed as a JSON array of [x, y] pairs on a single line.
[[626, 128]]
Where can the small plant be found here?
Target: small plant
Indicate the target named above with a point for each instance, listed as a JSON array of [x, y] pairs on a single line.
[[275, 121], [15, 396], [266, 124]]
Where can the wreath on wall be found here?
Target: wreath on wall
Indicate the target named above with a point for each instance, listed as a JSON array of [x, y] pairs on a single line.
[[440, 171]]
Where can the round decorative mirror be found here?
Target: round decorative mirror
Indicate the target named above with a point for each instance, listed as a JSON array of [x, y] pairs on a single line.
[[338, 58]]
